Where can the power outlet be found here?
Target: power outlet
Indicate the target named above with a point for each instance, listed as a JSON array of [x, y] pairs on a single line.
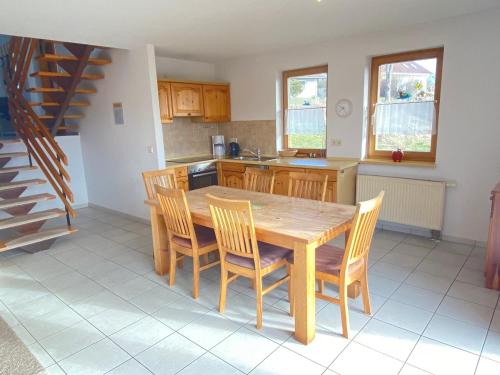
[[336, 142]]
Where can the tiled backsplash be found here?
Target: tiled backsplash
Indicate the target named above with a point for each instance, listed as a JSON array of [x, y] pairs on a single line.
[[185, 137], [252, 134]]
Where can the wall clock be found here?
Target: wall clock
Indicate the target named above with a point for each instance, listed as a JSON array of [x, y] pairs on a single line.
[[343, 108]]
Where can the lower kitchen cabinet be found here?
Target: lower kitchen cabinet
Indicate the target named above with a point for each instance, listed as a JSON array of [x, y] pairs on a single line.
[[341, 187], [181, 176]]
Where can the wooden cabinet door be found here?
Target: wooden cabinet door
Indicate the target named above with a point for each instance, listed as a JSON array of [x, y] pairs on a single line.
[[216, 101], [187, 99], [165, 97], [331, 186], [233, 179], [183, 184], [281, 178]]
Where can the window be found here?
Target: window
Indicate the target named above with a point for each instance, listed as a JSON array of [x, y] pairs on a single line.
[[304, 109], [404, 104]]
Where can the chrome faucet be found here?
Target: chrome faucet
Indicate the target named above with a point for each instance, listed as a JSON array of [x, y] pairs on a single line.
[[257, 154]]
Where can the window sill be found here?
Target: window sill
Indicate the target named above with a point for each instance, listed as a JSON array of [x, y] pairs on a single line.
[[404, 163]]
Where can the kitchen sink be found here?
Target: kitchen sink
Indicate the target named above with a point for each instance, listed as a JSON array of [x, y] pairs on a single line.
[[254, 158]]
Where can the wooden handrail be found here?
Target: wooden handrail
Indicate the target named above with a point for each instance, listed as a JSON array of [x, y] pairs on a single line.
[[39, 141]]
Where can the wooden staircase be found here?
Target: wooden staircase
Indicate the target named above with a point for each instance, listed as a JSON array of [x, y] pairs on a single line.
[[62, 77]]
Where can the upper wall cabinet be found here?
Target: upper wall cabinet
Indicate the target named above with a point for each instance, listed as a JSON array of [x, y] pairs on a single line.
[[206, 102], [165, 97], [187, 99], [217, 103]]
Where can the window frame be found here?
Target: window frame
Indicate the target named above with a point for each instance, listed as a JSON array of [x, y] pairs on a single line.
[[296, 73], [374, 78]]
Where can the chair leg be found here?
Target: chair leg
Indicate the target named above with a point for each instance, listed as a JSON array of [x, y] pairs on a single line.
[[321, 286], [196, 276], [205, 258], [343, 309], [365, 293], [223, 288], [289, 268], [173, 265], [258, 292]]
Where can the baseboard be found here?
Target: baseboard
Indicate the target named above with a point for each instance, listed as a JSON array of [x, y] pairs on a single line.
[[119, 213]]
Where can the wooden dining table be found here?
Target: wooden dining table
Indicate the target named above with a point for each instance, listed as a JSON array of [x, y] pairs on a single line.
[[298, 224]]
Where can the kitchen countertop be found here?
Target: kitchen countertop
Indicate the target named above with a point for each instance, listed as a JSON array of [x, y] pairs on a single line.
[[313, 163]]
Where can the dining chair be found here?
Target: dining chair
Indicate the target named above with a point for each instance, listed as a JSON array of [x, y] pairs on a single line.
[[260, 180], [184, 237], [162, 177], [240, 252], [307, 185], [346, 267]]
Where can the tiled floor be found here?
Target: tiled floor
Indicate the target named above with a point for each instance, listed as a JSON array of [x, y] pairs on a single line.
[[92, 305]]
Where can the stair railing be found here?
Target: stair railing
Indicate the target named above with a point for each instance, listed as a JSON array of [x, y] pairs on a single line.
[[39, 141]]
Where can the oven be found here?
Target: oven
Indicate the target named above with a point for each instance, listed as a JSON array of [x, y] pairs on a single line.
[[202, 175]]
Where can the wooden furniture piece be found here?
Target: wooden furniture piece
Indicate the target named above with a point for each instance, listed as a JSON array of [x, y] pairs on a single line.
[[260, 180], [181, 176], [231, 175], [187, 99], [183, 236], [307, 185], [203, 101], [298, 224], [162, 177], [340, 188], [165, 97], [240, 253], [344, 268], [216, 103], [493, 249]]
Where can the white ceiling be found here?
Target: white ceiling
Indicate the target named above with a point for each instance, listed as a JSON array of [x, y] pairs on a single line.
[[218, 29]]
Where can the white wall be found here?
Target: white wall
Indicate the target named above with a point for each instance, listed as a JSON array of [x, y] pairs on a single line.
[[184, 69], [469, 129], [115, 155]]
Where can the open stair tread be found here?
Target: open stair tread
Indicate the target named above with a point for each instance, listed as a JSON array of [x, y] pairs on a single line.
[[18, 169], [19, 220], [10, 141], [56, 104], [56, 57], [17, 184], [90, 76], [32, 238], [12, 154], [59, 89], [66, 117], [8, 203]]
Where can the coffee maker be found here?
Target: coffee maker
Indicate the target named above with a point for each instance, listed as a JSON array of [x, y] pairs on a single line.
[[234, 147], [218, 146]]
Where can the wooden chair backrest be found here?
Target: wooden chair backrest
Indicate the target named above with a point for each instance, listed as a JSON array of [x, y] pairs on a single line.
[[362, 229], [176, 213], [161, 177], [260, 180], [234, 227], [307, 185]]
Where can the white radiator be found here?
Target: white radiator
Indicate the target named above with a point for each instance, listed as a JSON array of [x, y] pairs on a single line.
[[407, 201]]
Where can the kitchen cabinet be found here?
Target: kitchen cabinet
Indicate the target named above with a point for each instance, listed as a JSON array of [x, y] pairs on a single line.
[[231, 175], [281, 178], [331, 185], [187, 99], [493, 247], [165, 97], [216, 103], [181, 176]]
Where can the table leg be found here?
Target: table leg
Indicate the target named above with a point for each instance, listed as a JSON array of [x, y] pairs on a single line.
[[160, 242], [304, 292], [353, 290]]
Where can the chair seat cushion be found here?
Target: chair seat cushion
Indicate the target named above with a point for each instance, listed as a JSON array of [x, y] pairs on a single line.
[[205, 236], [269, 254], [329, 260]]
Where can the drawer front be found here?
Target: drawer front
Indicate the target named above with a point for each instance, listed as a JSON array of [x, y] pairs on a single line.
[[181, 172], [235, 167], [332, 175]]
